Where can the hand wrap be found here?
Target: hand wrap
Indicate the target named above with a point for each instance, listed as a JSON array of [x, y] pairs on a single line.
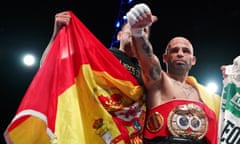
[[132, 17]]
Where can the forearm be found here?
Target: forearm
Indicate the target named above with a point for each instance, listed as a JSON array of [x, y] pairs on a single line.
[[55, 31], [61, 19], [46, 51], [143, 49], [148, 61]]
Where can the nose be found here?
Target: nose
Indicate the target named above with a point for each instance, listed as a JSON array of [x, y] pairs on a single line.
[[180, 52]]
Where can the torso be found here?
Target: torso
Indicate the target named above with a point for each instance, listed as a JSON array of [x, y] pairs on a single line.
[[187, 91], [167, 100], [160, 92]]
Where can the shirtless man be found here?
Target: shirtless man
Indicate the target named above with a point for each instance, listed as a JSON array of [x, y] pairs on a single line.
[[180, 110]]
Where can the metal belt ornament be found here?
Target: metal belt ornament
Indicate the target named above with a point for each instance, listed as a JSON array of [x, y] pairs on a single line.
[[188, 120], [155, 122]]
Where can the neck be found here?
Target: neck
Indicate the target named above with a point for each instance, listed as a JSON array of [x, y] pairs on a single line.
[[180, 78]]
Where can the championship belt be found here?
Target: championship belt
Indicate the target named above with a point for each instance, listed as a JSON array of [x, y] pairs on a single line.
[[188, 120]]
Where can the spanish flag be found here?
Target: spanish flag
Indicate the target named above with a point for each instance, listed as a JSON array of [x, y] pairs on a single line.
[[80, 95]]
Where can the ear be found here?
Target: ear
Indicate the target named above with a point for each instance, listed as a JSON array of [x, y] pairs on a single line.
[[119, 35], [194, 60], [164, 57]]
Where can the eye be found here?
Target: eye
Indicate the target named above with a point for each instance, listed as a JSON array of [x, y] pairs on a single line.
[[173, 50], [186, 50]]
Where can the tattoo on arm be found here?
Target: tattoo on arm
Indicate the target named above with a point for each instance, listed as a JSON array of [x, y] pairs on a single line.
[[147, 48], [155, 67], [155, 71]]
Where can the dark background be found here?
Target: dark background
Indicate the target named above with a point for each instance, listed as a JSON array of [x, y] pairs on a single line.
[[26, 26]]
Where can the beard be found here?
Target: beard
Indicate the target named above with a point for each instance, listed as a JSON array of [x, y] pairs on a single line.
[[179, 67]]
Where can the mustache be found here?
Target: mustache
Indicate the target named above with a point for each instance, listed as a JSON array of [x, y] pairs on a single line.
[[179, 60]]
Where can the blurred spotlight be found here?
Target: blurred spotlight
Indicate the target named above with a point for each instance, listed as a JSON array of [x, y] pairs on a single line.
[[212, 87], [29, 60]]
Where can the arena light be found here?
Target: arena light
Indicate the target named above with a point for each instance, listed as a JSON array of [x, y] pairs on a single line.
[[121, 19], [28, 60], [212, 87]]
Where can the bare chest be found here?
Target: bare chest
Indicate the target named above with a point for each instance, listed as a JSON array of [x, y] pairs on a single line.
[[185, 91]]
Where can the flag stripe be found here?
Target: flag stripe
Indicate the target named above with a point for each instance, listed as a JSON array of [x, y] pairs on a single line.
[[75, 93]]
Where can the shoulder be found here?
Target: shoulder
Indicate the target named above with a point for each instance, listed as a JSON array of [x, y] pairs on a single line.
[[114, 49]]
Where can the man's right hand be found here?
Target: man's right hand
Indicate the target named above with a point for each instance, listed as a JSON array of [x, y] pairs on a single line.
[[139, 17]]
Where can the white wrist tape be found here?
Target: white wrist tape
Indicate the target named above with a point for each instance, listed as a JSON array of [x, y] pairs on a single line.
[[137, 32], [133, 18]]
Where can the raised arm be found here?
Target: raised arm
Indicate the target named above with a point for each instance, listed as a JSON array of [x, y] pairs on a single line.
[[61, 19], [140, 17]]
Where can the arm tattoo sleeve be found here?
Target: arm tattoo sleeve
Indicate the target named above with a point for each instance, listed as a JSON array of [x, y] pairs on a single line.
[[147, 48], [155, 71]]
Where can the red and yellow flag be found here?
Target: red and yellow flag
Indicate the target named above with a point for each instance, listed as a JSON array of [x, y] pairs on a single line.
[[80, 95]]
